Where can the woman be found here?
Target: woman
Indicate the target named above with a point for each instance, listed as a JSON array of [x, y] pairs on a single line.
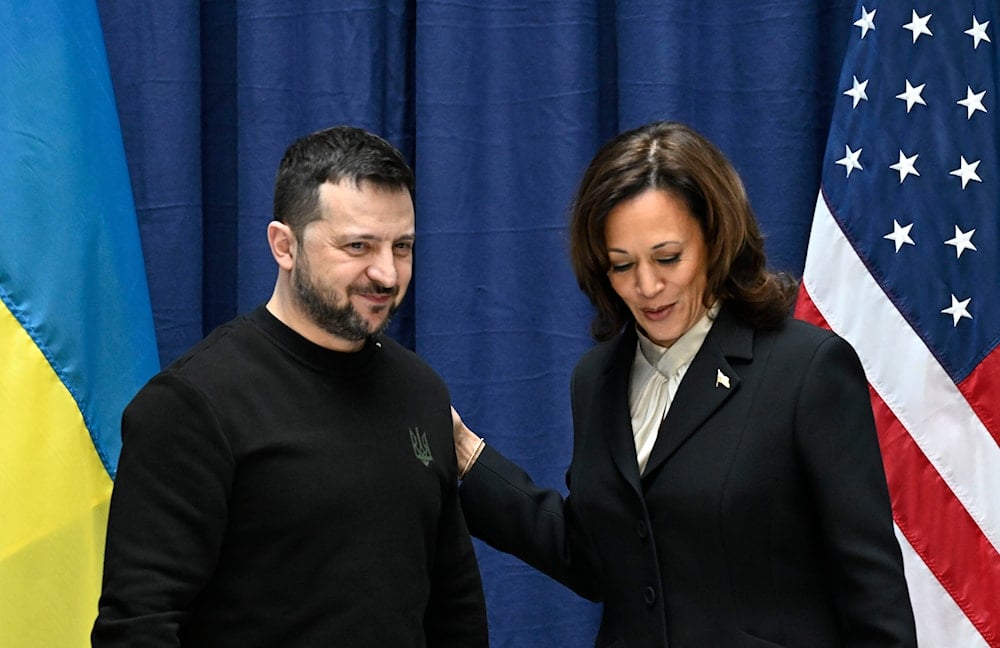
[[726, 485]]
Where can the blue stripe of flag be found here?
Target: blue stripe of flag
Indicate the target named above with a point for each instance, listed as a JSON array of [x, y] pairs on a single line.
[[71, 267]]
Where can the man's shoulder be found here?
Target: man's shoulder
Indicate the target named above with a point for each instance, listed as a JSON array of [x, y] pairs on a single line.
[[223, 340], [399, 353]]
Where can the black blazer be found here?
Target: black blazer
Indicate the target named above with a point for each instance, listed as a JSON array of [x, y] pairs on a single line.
[[762, 518]]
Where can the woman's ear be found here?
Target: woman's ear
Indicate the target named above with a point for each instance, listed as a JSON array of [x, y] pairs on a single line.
[[283, 244]]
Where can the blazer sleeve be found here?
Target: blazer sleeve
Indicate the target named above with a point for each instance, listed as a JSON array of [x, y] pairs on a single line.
[[838, 445], [505, 509]]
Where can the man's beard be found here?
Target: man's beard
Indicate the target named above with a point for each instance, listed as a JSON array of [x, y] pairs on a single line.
[[321, 305]]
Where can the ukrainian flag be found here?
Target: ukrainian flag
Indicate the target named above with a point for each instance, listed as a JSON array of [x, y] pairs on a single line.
[[76, 332]]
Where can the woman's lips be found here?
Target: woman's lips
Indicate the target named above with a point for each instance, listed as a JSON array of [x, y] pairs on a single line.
[[656, 314]]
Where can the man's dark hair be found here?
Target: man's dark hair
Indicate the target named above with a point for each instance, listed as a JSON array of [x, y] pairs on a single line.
[[332, 155]]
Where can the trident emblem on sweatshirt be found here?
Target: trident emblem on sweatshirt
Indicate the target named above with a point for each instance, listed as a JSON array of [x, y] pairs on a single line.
[[421, 449]]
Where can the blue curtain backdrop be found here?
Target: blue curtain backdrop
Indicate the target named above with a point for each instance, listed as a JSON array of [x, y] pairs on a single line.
[[499, 105]]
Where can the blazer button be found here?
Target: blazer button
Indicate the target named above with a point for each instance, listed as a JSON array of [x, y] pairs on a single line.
[[649, 596], [642, 530]]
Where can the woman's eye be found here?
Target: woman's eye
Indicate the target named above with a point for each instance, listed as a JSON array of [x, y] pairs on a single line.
[[620, 267], [668, 260]]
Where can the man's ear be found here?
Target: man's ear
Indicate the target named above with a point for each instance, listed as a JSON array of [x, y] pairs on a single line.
[[283, 244]]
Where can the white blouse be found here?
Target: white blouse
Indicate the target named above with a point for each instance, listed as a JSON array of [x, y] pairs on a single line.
[[656, 373]]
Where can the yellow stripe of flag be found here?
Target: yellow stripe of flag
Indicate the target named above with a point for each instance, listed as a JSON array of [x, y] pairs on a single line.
[[55, 502]]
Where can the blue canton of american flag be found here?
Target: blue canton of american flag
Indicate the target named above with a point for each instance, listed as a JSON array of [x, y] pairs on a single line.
[[903, 262]]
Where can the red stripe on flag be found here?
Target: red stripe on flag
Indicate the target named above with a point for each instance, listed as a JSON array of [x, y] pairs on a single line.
[[928, 514], [806, 310], [979, 388], [938, 527]]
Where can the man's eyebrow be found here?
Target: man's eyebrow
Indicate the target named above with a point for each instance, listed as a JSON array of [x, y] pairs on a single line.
[[363, 236]]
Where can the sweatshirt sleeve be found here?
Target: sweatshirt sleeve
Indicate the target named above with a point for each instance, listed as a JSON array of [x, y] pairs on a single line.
[[167, 516], [456, 611]]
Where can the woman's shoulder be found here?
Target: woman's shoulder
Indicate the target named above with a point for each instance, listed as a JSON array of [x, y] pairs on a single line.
[[603, 355], [787, 328], [806, 331], [804, 340]]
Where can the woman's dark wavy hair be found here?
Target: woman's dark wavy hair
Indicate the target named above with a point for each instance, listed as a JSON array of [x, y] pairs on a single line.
[[671, 157], [332, 155]]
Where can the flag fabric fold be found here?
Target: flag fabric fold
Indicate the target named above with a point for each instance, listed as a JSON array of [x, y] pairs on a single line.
[[903, 262], [76, 328]]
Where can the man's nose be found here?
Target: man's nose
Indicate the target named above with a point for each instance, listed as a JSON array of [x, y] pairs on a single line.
[[382, 269]]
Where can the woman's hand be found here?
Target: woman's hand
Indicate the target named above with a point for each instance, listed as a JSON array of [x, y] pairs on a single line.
[[467, 444]]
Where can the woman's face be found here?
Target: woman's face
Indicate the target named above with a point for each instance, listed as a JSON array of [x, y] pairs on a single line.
[[658, 263]]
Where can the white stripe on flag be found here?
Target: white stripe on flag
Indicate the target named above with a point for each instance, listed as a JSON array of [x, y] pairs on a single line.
[[904, 373]]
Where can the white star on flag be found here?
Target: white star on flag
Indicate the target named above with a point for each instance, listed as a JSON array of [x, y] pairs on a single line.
[[857, 91], [912, 95], [900, 235], [973, 101], [905, 166], [962, 241], [866, 21], [958, 309], [977, 31], [850, 160], [918, 25], [966, 172]]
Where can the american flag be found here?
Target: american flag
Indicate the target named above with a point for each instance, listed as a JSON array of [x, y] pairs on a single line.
[[903, 263]]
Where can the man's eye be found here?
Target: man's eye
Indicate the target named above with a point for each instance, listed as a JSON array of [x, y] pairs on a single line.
[[403, 248]]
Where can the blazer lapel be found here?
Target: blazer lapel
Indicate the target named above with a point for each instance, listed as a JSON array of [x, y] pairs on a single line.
[[613, 395], [708, 383]]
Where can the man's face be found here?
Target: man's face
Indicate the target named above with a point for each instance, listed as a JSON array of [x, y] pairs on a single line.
[[354, 264]]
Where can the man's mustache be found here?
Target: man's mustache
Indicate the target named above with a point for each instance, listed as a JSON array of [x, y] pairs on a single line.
[[375, 289]]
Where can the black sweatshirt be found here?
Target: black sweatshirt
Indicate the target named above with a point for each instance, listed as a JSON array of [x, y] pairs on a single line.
[[273, 492]]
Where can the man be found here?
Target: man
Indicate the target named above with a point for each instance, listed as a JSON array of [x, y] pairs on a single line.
[[291, 480]]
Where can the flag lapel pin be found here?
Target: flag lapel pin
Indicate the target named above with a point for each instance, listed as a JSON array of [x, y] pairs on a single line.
[[721, 379]]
